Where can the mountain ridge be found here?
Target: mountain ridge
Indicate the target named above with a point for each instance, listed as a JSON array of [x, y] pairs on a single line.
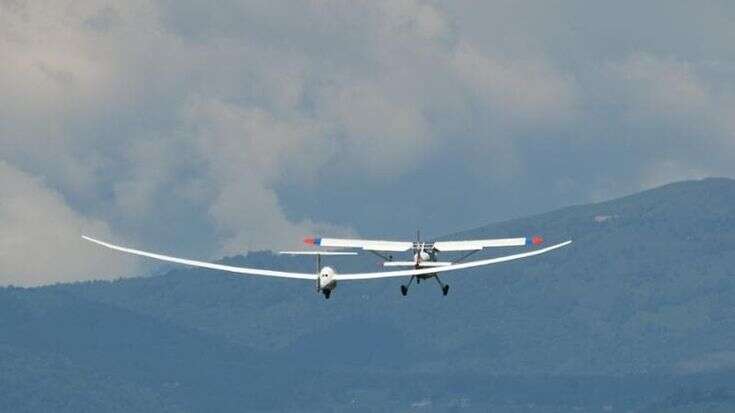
[[642, 304]]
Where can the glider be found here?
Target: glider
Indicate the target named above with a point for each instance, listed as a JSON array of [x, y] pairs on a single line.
[[424, 264]]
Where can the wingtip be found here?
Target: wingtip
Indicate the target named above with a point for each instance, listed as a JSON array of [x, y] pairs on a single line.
[[537, 240], [312, 241], [94, 241], [564, 244]]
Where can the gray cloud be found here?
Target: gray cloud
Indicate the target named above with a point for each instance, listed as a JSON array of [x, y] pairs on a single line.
[[213, 130], [41, 236]]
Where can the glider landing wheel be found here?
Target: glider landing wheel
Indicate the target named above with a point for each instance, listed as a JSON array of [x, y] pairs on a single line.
[[404, 290], [445, 289]]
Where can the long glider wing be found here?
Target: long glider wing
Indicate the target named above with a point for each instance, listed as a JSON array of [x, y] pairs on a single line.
[[367, 245], [211, 266], [453, 267], [339, 277]]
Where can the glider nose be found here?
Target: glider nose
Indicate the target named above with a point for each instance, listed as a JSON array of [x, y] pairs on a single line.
[[326, 277]]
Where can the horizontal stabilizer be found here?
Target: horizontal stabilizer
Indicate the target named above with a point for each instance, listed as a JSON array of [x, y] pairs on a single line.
[[411, 263], [316, 253]]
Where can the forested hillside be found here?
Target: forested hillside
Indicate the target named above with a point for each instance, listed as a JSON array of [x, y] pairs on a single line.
[[638, 314]]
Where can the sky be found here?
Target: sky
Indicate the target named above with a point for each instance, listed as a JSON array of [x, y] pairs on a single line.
[[208, 131]]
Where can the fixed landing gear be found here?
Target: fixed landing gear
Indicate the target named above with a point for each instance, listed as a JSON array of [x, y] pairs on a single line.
[[404, 288], [444, 287]]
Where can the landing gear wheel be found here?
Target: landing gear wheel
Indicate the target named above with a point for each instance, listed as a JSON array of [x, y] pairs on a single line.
[[445, 289], [327, 293], [404, 290]]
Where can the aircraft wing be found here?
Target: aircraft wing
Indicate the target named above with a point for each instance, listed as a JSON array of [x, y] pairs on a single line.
[[368, 245], [476, 245], [441, 246], [337, 276], [211, 266], [453, 267]]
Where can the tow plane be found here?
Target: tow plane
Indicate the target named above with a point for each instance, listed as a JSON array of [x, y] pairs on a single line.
[[424, 253], [425, 263]]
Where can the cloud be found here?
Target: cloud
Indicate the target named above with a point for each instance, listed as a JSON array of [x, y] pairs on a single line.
[[525, 89], [417, 18], [692, 117], [214, 130], [40, 241], [367, 121], [662, 84], [246, 151]]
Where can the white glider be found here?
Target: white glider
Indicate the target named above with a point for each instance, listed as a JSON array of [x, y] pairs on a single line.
[[326, 278]]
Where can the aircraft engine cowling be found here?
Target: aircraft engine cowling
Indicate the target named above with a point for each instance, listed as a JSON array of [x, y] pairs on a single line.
[[422, 256]]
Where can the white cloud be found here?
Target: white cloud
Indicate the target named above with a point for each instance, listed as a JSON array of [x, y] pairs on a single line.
[[382, 136], [671, 95], [40, 241], [525, 89], [233, 140], [246, 152]]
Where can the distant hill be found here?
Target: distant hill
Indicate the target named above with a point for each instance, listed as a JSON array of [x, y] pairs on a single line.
[[638, 314]]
